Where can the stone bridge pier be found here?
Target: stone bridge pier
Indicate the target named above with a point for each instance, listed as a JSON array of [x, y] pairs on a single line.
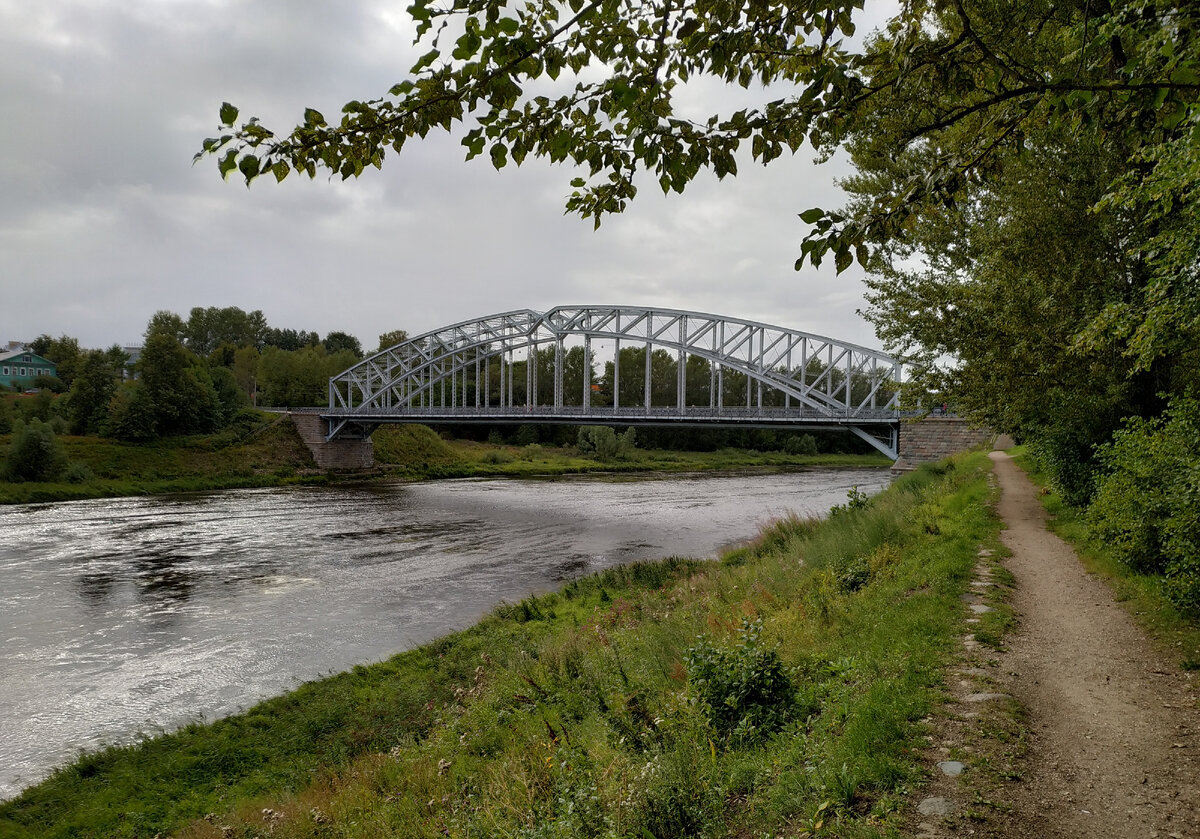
[[930, 438], [342, 453]]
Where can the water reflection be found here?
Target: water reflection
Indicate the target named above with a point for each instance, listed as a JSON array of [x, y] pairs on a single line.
[[127, 615]]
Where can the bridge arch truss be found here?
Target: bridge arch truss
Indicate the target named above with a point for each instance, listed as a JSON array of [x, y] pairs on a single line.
[[656, 366]]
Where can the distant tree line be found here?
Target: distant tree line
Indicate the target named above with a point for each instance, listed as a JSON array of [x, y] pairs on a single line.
[[191, 376]]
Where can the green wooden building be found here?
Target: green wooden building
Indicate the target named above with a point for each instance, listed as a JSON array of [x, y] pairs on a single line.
[[19, 368]]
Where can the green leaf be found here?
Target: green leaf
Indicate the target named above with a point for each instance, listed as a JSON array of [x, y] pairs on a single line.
[[313, 118], [229, 114], [812, 216], [249, 166], [499, 155], [842, 259], [474, 142], [227, 163]]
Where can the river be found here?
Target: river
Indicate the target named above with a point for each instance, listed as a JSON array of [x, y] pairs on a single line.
[[122, 617]]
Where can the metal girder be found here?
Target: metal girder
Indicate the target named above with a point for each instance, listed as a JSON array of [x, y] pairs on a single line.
[[823, 381]]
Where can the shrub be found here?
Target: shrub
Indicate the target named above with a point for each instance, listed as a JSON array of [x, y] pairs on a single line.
[[603, 443], [854, 575], [79, 472], [801, 444], [131, 414], [51, 383], [35, 455], [1146, 510], [745, 690], [526, 435], [856, 499]]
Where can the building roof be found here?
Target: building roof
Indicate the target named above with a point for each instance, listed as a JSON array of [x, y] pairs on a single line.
[[13, 354]]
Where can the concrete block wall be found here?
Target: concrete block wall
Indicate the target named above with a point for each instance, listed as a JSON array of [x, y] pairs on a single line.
[[931, 438], [337, 454]]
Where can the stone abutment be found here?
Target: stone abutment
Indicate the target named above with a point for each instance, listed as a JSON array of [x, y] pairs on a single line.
[[335, 454], [928, 439]]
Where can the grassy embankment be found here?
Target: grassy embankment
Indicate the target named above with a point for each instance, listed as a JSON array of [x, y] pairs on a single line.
[[1141, 594], [269, 453], [779, 691]]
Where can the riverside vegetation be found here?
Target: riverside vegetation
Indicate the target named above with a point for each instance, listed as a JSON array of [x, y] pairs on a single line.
[[780, 691], [261, 449]]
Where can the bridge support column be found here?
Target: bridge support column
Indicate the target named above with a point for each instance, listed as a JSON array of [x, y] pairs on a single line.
[[929, 439], [333, 454]]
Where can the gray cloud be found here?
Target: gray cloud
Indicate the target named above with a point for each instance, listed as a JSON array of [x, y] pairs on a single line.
[[103, 219]]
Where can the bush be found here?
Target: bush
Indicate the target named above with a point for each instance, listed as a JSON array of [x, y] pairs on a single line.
[[1146, 510], [79, 472], [131, 414], [51, 383], [745, 690], [801, 444], [526, 435], [603, 443], [36, 454], [856, 499]]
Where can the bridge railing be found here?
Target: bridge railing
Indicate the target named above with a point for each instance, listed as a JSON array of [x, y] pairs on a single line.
[[534, 412]]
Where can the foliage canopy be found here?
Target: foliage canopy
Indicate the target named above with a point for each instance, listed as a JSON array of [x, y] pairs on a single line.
[[597, 83]]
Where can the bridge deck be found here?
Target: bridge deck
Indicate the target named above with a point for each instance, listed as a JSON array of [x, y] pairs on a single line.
[[576, 415]]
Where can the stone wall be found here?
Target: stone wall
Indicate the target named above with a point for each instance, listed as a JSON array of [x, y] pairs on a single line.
[[931, 438], [336, 454]]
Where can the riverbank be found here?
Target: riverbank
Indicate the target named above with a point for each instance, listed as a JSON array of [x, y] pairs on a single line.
[[270, 453], [782, 688]]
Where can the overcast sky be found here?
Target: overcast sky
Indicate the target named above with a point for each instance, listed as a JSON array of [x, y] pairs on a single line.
[[104, 220]]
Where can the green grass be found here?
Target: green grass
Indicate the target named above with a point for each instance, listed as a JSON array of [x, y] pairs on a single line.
[[260, 452], [267, 452], [422, 457], [1140, 594], [572, 713]]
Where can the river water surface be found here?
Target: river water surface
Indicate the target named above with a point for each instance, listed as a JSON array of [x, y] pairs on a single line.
[[136, 615]]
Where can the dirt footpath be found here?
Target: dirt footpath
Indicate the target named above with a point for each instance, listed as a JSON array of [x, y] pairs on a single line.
[[1115, 732]]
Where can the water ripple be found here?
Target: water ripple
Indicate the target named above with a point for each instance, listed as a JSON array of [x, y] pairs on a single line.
[[127, 616]]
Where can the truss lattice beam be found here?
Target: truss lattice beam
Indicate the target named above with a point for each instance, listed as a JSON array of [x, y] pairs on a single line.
[[471, 368]]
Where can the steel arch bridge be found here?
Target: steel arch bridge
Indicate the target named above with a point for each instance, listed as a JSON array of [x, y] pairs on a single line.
[[657, 367]]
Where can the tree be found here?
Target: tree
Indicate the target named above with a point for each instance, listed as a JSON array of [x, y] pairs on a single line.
[[336, 342], [208, 329], [6, 415], [167, 323], [63, 351], [513, 76], [245, 370], [391, 339], [299, 378], [92, 392], [35, 455], [131, 414], [290, 339], [178, 386]]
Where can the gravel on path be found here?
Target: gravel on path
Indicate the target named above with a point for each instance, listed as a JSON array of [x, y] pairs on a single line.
[[1115, 730]]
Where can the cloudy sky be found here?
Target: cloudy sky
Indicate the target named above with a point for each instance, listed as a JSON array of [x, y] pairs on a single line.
[[104, 220]]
